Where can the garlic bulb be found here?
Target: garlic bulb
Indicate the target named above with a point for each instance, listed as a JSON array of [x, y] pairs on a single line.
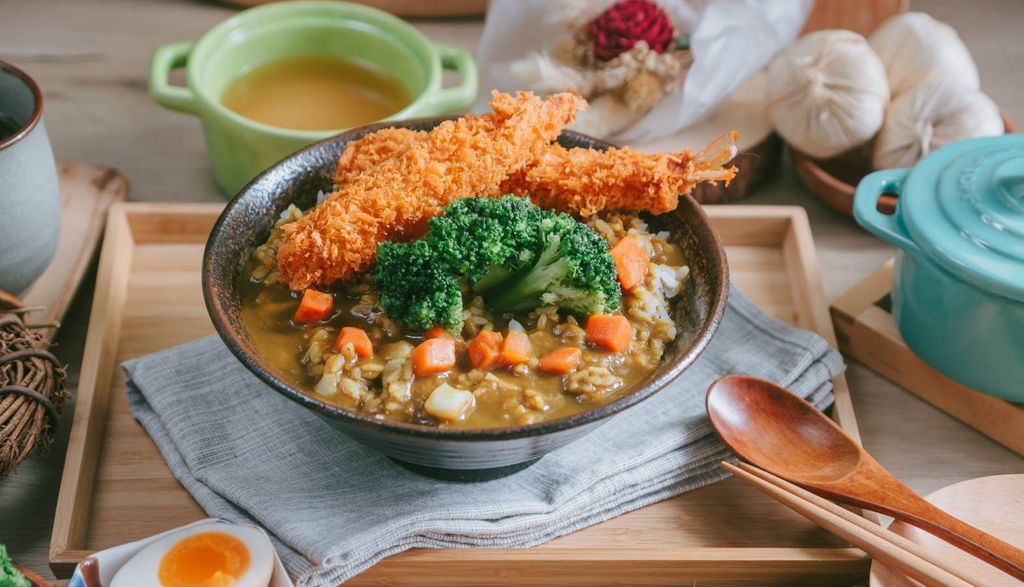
[[929, 116], [914, 47], [827, 93]]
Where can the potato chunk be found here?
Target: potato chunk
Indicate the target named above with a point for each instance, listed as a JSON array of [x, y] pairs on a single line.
[[449, 404], [328, 385]]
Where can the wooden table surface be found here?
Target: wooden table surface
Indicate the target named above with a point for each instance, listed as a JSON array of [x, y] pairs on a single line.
[[91, 59]]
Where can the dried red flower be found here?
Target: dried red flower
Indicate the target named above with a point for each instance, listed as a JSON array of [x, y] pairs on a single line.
[[625, 23]]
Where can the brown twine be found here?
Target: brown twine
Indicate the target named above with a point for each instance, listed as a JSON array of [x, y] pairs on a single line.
[[32, 393]]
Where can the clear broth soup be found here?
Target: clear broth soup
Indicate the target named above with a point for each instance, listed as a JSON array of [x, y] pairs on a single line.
[[313, 92]]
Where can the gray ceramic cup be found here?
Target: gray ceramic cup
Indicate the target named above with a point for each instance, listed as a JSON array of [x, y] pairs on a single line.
[[29, 192]]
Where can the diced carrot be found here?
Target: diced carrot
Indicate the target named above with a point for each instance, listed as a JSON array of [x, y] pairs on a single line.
[[483, 350], [314, 306], [437, 332], [631, 262], [359, 339], [434, 355], [610, 331], [560, 361], [492, 337], [515, 349]]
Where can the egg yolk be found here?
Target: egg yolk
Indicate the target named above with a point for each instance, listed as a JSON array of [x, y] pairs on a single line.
[[206, 559]]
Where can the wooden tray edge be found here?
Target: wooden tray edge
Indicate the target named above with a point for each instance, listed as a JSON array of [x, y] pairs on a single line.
[[88, 423], [868, 334], [702, 566], [798, 244]]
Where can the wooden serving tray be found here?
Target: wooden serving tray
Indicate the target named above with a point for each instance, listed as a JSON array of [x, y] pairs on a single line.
[[117, 488], [867, 332]]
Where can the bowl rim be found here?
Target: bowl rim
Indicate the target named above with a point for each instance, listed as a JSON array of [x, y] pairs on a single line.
[[643, 390], [37, 106]]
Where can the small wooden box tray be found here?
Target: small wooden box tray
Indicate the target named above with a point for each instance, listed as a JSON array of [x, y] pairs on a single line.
[[867, 332], [117, 488]]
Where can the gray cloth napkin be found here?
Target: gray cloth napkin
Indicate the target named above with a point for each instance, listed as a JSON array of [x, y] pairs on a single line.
[[335, 507]]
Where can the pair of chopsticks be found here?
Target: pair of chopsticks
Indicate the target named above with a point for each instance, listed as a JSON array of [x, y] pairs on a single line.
[[880, 543]]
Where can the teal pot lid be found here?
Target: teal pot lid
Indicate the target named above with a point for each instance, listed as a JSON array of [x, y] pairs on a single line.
[[963, 205]]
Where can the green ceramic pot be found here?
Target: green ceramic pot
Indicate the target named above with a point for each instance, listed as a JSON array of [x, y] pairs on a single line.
[[241, 148]]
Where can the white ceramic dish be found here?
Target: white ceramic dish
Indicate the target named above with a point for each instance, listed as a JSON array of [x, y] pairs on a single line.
[[105, 563]]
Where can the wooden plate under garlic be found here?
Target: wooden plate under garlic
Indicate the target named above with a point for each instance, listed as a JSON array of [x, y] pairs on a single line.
[[835, 180]]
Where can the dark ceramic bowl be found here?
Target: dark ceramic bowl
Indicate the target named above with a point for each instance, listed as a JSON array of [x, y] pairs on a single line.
[[447, 453]]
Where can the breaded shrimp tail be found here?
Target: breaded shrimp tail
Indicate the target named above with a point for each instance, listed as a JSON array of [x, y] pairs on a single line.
[[587, 181], [582, 181], [393, 199]]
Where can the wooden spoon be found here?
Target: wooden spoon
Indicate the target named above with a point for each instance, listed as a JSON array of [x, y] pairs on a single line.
[[770, 427]]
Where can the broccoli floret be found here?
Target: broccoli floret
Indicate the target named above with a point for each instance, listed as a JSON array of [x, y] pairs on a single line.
[[486, 240], [518, 256], [573, 271], [416, 288]]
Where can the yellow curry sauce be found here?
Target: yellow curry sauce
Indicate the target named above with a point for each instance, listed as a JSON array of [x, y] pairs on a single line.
[[504, 396]]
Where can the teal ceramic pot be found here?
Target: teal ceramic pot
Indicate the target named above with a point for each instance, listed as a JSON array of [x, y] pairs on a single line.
[[29, 192], [958, 291]]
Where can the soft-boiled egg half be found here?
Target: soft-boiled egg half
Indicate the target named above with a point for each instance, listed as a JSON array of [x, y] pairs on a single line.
[[215, 554]]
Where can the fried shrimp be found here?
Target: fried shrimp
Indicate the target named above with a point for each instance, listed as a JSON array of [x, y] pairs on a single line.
[[393, 199], [588, 181], [577, 180], [360, 155]]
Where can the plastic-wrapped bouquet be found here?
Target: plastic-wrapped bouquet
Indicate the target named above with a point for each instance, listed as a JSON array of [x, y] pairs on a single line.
[[624, 60], [648, 68]]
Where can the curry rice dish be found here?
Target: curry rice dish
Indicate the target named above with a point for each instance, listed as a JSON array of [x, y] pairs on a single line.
[[477, 275]]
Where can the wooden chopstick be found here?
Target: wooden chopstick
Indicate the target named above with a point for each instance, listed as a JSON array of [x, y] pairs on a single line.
[[879, 542]]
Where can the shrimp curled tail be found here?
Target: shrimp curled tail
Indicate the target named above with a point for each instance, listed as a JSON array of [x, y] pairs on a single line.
[[709, 162]]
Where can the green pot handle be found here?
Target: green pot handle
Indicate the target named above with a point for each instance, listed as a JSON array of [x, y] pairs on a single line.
[[166, 59], [865, 207], [462, 95]]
